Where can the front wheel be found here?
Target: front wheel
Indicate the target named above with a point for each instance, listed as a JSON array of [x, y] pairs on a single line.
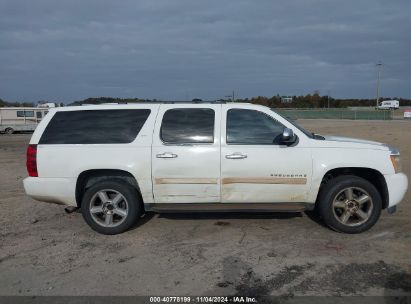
[[349, 204], [111, 207]]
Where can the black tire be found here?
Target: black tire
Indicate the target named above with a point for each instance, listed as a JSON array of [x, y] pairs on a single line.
[[131, 199], [335, 187], [9, 131]]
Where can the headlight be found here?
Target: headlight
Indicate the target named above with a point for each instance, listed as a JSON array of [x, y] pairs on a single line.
[[396, 163]]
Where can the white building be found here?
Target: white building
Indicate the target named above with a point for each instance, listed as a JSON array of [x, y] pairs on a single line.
[[46, 105], [286, 99]]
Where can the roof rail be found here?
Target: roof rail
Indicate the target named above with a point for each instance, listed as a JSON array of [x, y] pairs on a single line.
[[179, 101], [158, 102]]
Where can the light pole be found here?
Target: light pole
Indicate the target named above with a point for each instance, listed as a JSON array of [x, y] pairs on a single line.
[[379, 64]]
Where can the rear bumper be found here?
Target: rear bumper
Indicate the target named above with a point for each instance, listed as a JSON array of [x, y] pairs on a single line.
[[51, 190], [397, 185]]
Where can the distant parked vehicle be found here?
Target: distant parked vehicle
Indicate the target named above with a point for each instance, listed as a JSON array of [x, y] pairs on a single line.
[[20, 119], [389, 105]]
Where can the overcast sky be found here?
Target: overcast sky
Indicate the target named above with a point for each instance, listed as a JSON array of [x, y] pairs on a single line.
[[66, 50]]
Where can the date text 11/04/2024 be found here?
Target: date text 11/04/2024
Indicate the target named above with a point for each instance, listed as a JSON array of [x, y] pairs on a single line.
[[203, 299]]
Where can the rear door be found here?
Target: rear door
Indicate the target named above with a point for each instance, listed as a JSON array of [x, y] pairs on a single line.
[[186, 154]]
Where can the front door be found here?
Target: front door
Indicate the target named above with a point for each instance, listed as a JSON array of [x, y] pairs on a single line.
[[255, 166], [186, 154]]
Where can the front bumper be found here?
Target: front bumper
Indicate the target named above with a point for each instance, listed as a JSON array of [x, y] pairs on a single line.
[[397, 185]]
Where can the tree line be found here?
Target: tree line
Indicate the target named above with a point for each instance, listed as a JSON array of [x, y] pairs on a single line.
[[318, 101], [4, 103], [306, 101]]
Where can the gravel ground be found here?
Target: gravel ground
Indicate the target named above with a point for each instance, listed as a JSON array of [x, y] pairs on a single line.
[[44, 251]]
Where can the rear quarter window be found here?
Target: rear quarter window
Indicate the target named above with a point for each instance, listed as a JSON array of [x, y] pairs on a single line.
[[94, 127]]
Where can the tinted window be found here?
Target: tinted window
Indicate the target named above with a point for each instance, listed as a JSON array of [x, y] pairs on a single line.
[[38, 114], [250, 127], [183, 126], [94, 127]]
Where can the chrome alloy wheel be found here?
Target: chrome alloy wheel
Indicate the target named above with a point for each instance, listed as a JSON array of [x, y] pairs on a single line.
[[108, 208], [352, 206]]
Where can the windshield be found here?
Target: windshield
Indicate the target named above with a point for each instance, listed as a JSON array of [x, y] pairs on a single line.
[[309, 134]]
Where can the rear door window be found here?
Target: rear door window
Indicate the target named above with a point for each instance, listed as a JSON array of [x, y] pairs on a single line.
[[188, 126], [94, 127]]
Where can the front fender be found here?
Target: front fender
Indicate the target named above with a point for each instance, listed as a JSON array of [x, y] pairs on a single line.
[[327, 159]]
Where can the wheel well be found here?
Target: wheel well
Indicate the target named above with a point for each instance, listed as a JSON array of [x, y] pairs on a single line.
[[371, 175], [88, 178]]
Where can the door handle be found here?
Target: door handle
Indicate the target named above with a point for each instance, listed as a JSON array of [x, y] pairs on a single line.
[[166, 155], [236, 155]]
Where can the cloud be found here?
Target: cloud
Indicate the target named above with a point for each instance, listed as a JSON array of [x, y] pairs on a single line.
[[69, 50]]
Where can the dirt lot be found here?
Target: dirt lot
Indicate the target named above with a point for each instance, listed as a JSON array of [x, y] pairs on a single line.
[[44, 251]]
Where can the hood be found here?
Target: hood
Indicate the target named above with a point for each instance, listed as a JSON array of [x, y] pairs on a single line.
[[353, 140], [347, 142]]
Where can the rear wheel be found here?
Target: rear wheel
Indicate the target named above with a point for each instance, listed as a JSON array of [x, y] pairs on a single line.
[[9, 131], [111, 207], [350, 204]]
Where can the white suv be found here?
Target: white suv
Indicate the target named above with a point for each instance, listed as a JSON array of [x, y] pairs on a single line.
[[116, 162]]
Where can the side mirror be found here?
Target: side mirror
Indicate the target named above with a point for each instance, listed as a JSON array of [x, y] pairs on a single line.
[[288, 137]]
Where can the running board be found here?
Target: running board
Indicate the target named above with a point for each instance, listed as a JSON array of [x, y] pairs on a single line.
[[228, 207]]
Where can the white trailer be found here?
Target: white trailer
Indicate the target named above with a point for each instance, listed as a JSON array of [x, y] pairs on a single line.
[[19, 119], [389, 105]]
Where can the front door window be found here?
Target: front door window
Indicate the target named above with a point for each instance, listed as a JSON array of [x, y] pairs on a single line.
[[251, 127]]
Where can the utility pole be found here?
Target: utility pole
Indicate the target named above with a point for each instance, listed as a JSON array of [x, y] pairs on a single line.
[[379, 64], [328, 98], [231, 96]]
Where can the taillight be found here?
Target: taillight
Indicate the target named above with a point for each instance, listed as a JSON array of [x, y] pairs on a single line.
[[31, 162]]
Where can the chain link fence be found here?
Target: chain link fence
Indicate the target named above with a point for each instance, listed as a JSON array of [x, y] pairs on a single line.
[[336, 114]]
